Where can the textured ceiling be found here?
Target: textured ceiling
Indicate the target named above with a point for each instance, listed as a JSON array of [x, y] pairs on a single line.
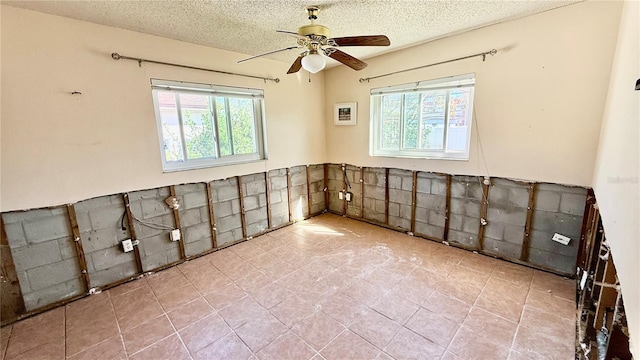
[[248, 27]]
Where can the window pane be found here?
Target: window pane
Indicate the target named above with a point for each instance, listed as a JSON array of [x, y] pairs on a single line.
[[197, 126], [242, 126], [411, 120], [432, 119], [391, 110], [172, 142], [223, 127], [459, 118]]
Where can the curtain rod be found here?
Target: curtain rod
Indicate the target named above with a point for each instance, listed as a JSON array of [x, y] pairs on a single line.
[[117, 56], [483, 54]]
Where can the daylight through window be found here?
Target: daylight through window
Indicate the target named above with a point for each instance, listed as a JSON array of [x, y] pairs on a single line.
[[428, 119], [206, 125]]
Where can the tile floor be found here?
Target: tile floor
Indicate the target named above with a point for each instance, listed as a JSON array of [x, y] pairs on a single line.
[[326, 288]]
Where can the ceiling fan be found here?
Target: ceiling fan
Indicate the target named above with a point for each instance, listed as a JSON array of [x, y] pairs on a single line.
[[316, 41]]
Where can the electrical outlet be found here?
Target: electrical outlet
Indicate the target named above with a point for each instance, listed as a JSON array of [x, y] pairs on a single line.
[[564, 240], [175, 235], [127, 245], [349, 196], [340, 195]]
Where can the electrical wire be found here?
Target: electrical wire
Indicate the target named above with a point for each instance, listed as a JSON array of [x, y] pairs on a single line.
[[480, 150], [150, 224], [346, 178]]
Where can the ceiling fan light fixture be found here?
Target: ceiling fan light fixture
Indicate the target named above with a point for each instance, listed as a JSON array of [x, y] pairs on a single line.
[[313, 63]]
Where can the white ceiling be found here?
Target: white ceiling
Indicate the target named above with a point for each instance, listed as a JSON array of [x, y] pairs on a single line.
[[248, 26]]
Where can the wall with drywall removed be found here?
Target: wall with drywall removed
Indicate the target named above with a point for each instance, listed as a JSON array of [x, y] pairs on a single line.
[[538, 102], [105, 141], [617, 172]]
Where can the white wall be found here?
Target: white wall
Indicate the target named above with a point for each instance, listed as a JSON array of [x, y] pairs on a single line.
[[538, 102], [617, 172], [59, 148]]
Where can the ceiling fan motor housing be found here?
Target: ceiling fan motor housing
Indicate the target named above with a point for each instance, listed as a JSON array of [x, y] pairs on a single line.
[[314, 29]]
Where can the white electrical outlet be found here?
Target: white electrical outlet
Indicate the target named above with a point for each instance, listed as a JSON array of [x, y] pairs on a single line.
[[127, 245], [564, 240], [348, 196], [175, 235], [340, 195]]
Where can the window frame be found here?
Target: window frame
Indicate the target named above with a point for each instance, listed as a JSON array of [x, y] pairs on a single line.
[[376, 123], [210, 90]]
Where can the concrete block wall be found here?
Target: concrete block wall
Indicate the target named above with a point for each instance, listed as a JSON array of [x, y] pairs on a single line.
[[466, 198], [506, 218], [299, 194], [400, 198], [334, 186], [254, 191], [558, 209], [355, 182], [279, 197], [44, 255], [101, 221], [226, 205], [156, 247], [316, 188], [374, 194], [431, 204], [195, 220]]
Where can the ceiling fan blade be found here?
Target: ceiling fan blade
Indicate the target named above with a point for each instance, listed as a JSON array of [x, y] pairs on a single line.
[[291, 33], [345, 58], [268, 53], [369, 40], [297, 65]]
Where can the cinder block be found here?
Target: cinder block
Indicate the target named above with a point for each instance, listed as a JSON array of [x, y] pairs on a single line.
[[374, 192], [554, 261], [250, 203], [565, 224], [153, 207], [422, 214], [407, 183], [143, 194], [563, 188], [494, 230], [475, 190], [43, 297], [115, 273], [463, 238], [498, 195], [513, 234], [403, 224], [15, 235], [227, 193], [222, 209], [298, 178], [46, 228], [465, 207], [438, 187], [51, 274], [373, 215], [278, 182], [155, 261], [394, 209], [541, 240], [254, 187], [518, 196], [395, 182], [458, 190], [573, 204], [99, 239], [436, 218], [455, 221], [298, 192], [68, 248], [84, 221], [405, 211], [316, 173], [227, 223], [196, 247], [108, 216], [400, 196], [94, 203], [279, 219], [470, 225], [380, 206], [157, 244], [29, 257], [197, 232], [107, 258], [501, 248], [435, 202], [547, 201], [193, 200], [256, 228], [423, 185], [22, 216], [507, 215], [235, 206], [225, 238], [256, 215], [431, 231]]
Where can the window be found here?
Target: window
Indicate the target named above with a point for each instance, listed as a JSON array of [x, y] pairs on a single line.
[[207, 125], [429, 119]]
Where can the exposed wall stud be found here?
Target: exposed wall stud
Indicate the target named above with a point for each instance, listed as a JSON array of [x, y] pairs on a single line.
[[326, 187], [308, 193], [73, 221], [176, 219], [289, 203], [386, 196], [212, 217], [12, 304], [447, 209], [267, 186], [526, 240], [362, 192], [132, 232], [484, 204], [414, 192], [243, 221], [344, 189]]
